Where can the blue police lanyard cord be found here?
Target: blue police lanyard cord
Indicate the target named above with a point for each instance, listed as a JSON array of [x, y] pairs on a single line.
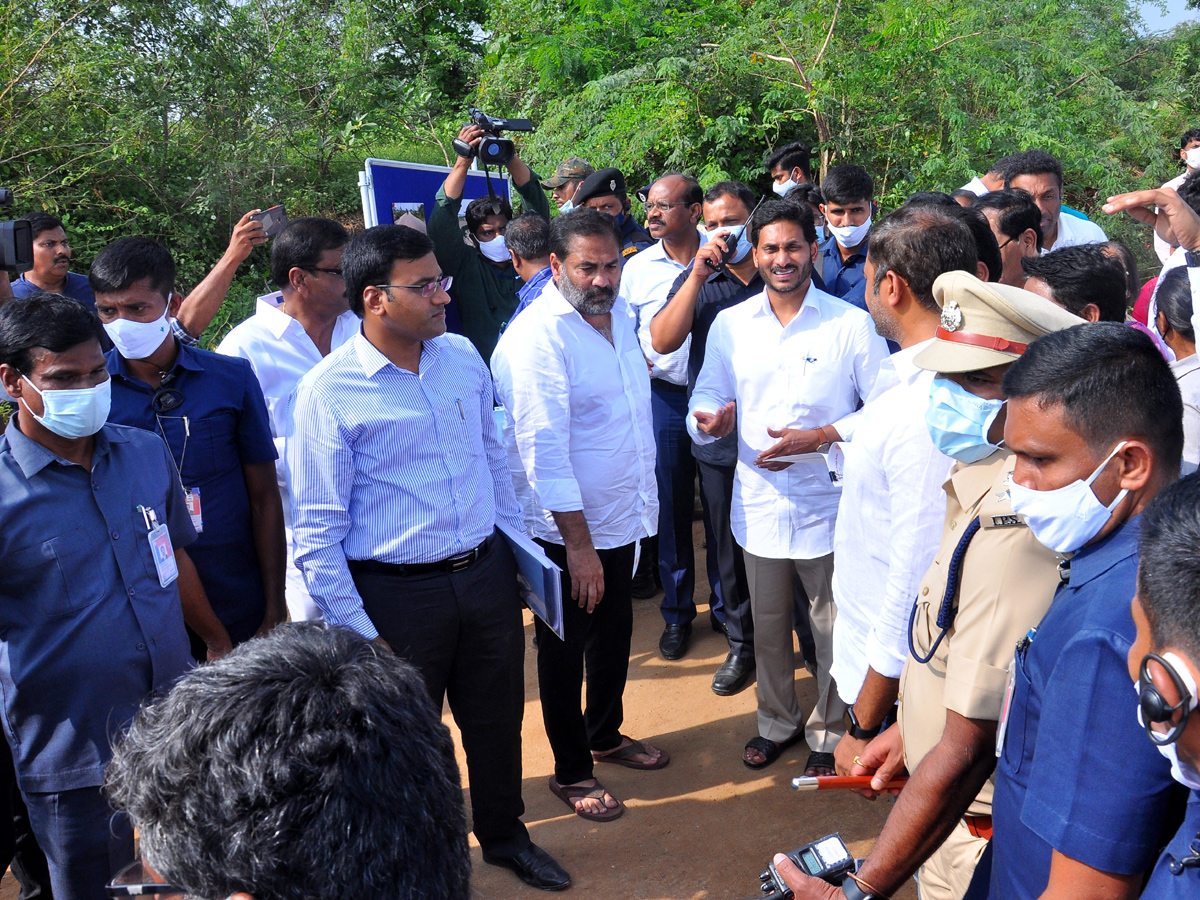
[[947, 610], [1191, 861]]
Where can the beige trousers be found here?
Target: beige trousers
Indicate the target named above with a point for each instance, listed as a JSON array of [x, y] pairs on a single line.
[[947, 874], [779, 716]]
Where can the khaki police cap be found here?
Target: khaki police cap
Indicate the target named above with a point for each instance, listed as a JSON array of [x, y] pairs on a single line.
[[984, 324], [570, 169], [601, 183]]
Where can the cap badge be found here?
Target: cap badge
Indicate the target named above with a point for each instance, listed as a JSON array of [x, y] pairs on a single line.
[[612, 184], [952, 317]]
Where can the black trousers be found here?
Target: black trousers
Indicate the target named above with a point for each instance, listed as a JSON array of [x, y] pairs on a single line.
[[463, 632], [597, 643], [17, 841]]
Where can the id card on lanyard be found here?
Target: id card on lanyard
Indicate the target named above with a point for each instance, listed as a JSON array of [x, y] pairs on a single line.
[[161, 548], [191, 495]]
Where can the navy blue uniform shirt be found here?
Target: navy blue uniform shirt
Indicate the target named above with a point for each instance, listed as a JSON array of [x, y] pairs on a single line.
[[1164, 884], [844, 278], [1077, 774], [227, 427], [77, 288], [86, 631]]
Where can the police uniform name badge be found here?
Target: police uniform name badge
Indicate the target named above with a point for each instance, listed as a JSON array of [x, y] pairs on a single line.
[[192, 497], [161, 548]]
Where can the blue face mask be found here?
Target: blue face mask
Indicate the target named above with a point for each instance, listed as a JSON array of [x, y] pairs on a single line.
[[619, 218], [958, 421], [74, 413]]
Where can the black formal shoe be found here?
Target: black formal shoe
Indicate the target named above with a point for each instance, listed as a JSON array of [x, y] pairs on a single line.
[[645, 585], [734, 675], [674, 641], [717, 625], [535, 867]]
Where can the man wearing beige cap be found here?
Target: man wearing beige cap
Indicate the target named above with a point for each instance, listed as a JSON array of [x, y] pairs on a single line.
[[990, 582], [565, 181]]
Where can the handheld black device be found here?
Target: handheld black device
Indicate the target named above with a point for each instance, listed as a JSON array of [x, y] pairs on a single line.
[[274, 220], [826, 858]]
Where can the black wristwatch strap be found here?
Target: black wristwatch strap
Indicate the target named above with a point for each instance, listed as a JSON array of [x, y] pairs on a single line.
[[855, 730], [852, 890]]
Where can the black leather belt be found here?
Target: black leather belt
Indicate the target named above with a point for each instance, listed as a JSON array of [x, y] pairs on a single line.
[[460, 562], [668, 386]]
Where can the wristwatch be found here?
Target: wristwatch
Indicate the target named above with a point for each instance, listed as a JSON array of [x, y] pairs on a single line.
[[855, 730], [851, 889]]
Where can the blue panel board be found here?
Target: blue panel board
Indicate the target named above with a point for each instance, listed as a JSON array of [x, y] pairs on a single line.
[[397, 187], [414, 184]]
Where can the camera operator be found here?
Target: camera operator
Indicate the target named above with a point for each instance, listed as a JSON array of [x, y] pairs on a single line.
[[485, 282]]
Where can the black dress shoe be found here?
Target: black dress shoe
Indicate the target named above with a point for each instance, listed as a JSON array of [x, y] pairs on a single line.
[[645, 585], [674, 641], [535, 867], [717, 625], [733, 676]]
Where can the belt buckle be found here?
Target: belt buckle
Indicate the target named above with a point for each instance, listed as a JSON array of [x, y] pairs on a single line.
[[460, 563]]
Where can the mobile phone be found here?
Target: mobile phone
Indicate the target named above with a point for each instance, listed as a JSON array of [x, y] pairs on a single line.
[[274, 220]]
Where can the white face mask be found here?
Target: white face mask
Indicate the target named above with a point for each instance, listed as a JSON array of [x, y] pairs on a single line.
[[1068, 517], [1193, 158], [566, 207], [74, 413], [850, 235], [138, 340], [782, 187], [1183, 772], [738, 233], [495, 249]]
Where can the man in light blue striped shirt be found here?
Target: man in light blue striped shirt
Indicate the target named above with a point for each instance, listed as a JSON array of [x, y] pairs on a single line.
[[398, 478]]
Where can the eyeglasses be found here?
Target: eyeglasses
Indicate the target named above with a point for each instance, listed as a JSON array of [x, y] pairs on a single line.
[[664, 205], [425, 290], [1006, 243], [337, 272], [132, 881]]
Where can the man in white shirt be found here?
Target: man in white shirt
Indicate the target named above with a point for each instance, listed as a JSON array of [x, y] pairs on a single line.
[[1189, 155], [673, 209], [576, 395], [291, 331], [1040, 175], [787, 369], [892, 509]]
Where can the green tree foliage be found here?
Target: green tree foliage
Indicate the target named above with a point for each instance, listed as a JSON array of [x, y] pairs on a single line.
[[172, 117]]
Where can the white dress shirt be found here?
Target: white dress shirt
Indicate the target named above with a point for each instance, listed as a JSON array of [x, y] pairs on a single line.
[[1161, 247], [811, 373], [645, 282], [1073, 230], [281, 353], [392, 465], [975, 186], [889, 524], [578, 412]]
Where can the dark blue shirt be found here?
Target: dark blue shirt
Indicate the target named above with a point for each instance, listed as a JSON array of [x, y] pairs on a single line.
[[77, 288], [1077, 774], [844, 278], [227, 427], [530, 291], [1164, 885], [86, 631]]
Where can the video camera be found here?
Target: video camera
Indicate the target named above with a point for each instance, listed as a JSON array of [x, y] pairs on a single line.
[[16, 241], [493, 150]]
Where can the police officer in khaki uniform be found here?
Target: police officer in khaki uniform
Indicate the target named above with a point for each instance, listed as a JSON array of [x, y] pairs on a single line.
[[990, 582]]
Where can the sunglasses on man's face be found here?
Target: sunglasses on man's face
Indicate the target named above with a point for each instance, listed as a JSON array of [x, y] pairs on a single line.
[[134, 881]]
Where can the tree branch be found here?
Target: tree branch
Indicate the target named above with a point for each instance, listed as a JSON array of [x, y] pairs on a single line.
[[1086, 75]]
